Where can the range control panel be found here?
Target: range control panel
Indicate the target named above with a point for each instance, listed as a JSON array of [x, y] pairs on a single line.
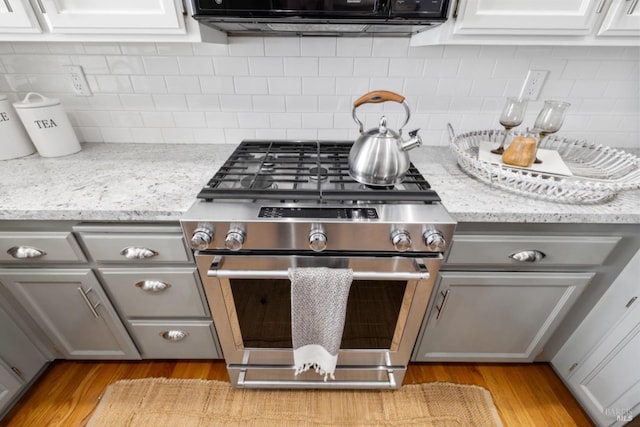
[[317, 212]]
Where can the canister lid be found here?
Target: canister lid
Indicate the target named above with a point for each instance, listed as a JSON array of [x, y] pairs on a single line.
[[40, 101]]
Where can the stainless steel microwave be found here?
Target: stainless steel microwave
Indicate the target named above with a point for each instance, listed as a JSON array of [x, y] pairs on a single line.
[[320, 17]]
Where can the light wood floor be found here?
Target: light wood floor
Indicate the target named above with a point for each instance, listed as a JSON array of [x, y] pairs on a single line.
[[525, 394]]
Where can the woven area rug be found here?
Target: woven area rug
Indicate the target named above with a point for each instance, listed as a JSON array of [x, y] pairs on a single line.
[[158, 402]]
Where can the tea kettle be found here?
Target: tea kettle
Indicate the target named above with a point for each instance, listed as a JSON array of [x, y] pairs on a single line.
[[379, 156]]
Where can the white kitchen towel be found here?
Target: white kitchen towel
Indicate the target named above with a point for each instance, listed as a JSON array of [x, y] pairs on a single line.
[[318, 307]]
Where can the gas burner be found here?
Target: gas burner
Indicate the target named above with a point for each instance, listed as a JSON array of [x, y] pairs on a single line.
[[305, 171], [258, 182], [318, 173], [378, 187]]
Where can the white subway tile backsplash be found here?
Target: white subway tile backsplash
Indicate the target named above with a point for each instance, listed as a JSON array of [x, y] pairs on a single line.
[[231, 66], [261, 66], [173, 135], [195, 65], [220, 119], [318, 46], [282, 46], [136, 102], [148, 84], [235, 102], [454, 87], [162, 65], [253, 120], [246, 46], [125, 64], [182, 84], [406, 67], [157, 119], [251, 85], [146, 135], [299, 103], [354, 47], [170, 102], [318, 85], [204, 102], [113, 84], [285, 86], [269, 103], [191, 119], [298, 67], [371, 67], [390, 47], [125, 119], [208, 136], [336, 67], [317, 120], [217, 85], [305, 87], [285, 120], [352, 85]]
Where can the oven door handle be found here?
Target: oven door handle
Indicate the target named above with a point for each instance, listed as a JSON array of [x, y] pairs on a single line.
[[422, 274]]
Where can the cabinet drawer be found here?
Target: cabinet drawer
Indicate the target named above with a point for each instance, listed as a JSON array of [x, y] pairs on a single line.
[[191, 339], [155, 292], [52, 247], [136, 247], [557, 250]]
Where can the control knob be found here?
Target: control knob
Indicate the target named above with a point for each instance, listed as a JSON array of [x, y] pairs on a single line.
[[317, 238], [235, 238], [201, 238], [434, 240], [401, 240]]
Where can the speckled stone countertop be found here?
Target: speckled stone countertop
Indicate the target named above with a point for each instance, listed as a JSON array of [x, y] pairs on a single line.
[[159, 182]]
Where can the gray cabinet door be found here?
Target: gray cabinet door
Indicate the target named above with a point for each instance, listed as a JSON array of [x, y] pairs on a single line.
[[10, 386], [496, 316], [17, 350], [71, 307]]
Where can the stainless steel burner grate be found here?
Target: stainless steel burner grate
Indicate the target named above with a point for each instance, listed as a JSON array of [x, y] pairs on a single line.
[[304, 170]]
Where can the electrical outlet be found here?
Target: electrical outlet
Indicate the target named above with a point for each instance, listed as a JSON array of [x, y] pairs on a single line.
[[78, 80], [533, 84]]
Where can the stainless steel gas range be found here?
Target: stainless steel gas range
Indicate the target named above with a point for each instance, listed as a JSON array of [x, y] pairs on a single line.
[[277, 205]]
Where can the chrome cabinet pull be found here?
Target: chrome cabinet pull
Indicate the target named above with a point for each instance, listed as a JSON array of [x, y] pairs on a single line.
[[600, 6], [444, 302], [87, 301], [527, 256], [174, 335], [17, 371], [8, 6], [153, 285], [133, 252], [24, 252], [632, 8]]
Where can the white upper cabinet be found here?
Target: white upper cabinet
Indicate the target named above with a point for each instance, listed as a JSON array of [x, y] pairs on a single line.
[[93, 20], [544, 22], [557, 17], [17, 16], [123, 16], [623, 19]]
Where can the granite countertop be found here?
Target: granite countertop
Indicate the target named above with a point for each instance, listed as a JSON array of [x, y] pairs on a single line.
[[159, 182]]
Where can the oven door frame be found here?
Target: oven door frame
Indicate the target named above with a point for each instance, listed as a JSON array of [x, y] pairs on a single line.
[[356, 368]]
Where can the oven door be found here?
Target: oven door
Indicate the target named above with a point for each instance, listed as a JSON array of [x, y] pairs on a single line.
[[250, 300]]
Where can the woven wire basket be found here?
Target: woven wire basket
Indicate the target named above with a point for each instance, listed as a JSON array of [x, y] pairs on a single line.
[[599, 172]]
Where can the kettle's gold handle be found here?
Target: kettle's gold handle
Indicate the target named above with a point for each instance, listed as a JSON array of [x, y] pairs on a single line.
[[377, 96]]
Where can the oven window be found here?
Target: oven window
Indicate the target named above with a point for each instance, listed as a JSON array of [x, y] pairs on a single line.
[[263, 308]]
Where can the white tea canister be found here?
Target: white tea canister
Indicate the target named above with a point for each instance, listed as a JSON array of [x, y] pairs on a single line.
[[48, 125], [14, 142]]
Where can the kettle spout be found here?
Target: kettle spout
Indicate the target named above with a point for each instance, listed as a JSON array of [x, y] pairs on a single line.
[[414, 142]]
